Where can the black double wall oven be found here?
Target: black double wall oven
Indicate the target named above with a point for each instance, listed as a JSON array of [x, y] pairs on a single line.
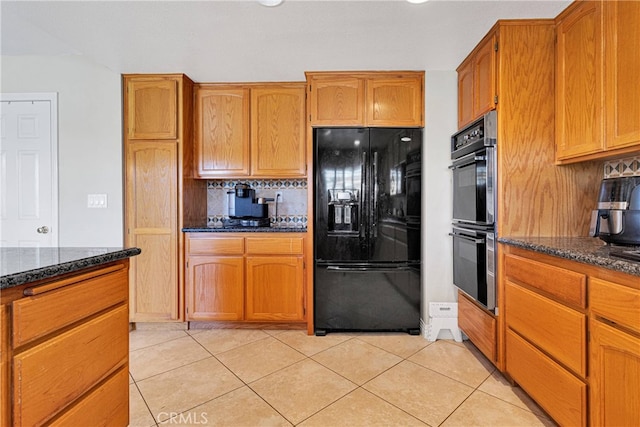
[[473, 154]]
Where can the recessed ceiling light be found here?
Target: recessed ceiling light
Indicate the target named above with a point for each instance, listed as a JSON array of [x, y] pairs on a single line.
[[270, 3], [417, 1]]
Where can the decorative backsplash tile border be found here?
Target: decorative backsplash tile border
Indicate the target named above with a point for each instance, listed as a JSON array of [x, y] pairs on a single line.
[[622, 167], [283, 221], [259, 184]]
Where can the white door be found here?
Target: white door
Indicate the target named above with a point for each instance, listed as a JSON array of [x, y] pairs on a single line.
[[28, 170]]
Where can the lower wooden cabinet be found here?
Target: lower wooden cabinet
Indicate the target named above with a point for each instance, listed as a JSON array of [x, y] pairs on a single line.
[[614, 354], [239, 278], [479, 325]]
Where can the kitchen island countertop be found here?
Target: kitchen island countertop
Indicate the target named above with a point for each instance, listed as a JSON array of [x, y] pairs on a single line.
[[25, 265], [588, 250]]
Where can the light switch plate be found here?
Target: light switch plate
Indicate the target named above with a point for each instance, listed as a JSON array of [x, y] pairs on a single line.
[[97, 201]]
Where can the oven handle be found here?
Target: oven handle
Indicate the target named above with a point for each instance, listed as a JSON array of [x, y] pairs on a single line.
[[367, 269], [463, 237], [467, 160]]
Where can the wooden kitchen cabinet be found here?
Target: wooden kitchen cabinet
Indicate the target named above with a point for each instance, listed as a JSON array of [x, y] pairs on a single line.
[[60, 372], [222, 131], [371, 99], [615, 353], [215, 278], [479, 325], [161, 194], [152, 109], [546, 336], [239, 278], [278, 131], [255, 130], [598, 55], [477, 81]]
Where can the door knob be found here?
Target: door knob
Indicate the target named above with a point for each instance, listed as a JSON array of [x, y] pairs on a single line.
[[43, 230]]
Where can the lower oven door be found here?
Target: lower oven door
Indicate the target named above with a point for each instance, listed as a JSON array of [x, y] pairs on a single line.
[[474, 264]]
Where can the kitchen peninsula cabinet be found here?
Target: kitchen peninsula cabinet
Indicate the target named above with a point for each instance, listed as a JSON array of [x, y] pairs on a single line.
[[160, 191], [235, 277], [477, 81], [255, 130], [598, 55], [370, 99]]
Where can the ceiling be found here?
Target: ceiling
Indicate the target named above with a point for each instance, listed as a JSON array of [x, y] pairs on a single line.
[[244, 41]]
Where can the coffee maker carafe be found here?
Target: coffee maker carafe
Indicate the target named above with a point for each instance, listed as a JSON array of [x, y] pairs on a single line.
[[617, 219]]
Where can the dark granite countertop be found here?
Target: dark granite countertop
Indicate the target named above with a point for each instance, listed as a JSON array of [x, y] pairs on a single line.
[[25, 265], [205, 229], [588, 250]]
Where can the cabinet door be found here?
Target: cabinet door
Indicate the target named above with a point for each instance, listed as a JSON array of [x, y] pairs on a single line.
[[622, 62], [152, 108], [222, 132], [337, 101], [151, 209], [614, 369], [215, 288], [579, 82], [395, 101], [484, 77], [275, 288], [278, 131], [465, 93]]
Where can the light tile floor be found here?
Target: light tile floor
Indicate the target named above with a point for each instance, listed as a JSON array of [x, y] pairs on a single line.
[[260, 378]]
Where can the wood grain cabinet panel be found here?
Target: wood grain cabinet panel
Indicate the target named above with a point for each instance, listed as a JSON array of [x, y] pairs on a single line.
[[152, 108], [479, 325], [622, 62], [42, 389], [275, 288], [222, 131], [477, 81], [579, 81], [616, 303], [278, 131], [367, 98], [215, 288], [561, 394], [337, 101]]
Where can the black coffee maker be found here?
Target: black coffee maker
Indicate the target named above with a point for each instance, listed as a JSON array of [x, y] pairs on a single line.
[[249, 211], [617, 219]]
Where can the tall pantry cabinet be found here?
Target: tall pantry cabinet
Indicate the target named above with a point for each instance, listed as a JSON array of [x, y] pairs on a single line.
[[159, 191]]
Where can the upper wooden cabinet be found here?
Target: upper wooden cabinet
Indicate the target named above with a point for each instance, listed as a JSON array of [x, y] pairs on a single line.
[[152, 111], [278, 131], [222, 131], [477, 81], [250, 130], [374, 99], [597, 102]]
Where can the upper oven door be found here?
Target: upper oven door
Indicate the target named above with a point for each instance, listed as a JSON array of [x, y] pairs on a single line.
[[474, 188]]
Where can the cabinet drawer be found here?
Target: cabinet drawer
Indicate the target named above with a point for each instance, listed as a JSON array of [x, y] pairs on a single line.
[[108, 405], [37, 316], [215, 245], [275, 245], [478, 325], [566, 285], [557, 391], [51, 375], [555, 328], [615, 302]]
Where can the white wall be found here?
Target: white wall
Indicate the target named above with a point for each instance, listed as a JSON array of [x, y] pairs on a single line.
[[90, 141], [441, 112]]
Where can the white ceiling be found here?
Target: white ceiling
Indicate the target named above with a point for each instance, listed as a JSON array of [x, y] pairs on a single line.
[[243, 41]]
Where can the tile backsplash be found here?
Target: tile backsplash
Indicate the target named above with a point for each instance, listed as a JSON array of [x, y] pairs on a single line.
[[622, 167], [291, 212]]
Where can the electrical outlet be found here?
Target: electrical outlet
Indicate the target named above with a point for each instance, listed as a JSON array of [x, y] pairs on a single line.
[[279, 197]]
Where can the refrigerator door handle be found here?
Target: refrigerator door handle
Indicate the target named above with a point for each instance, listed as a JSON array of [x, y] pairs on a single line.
[[361, 211], [374, 203]]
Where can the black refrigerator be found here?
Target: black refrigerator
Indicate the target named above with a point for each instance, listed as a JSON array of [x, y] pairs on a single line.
[[367, 229]]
